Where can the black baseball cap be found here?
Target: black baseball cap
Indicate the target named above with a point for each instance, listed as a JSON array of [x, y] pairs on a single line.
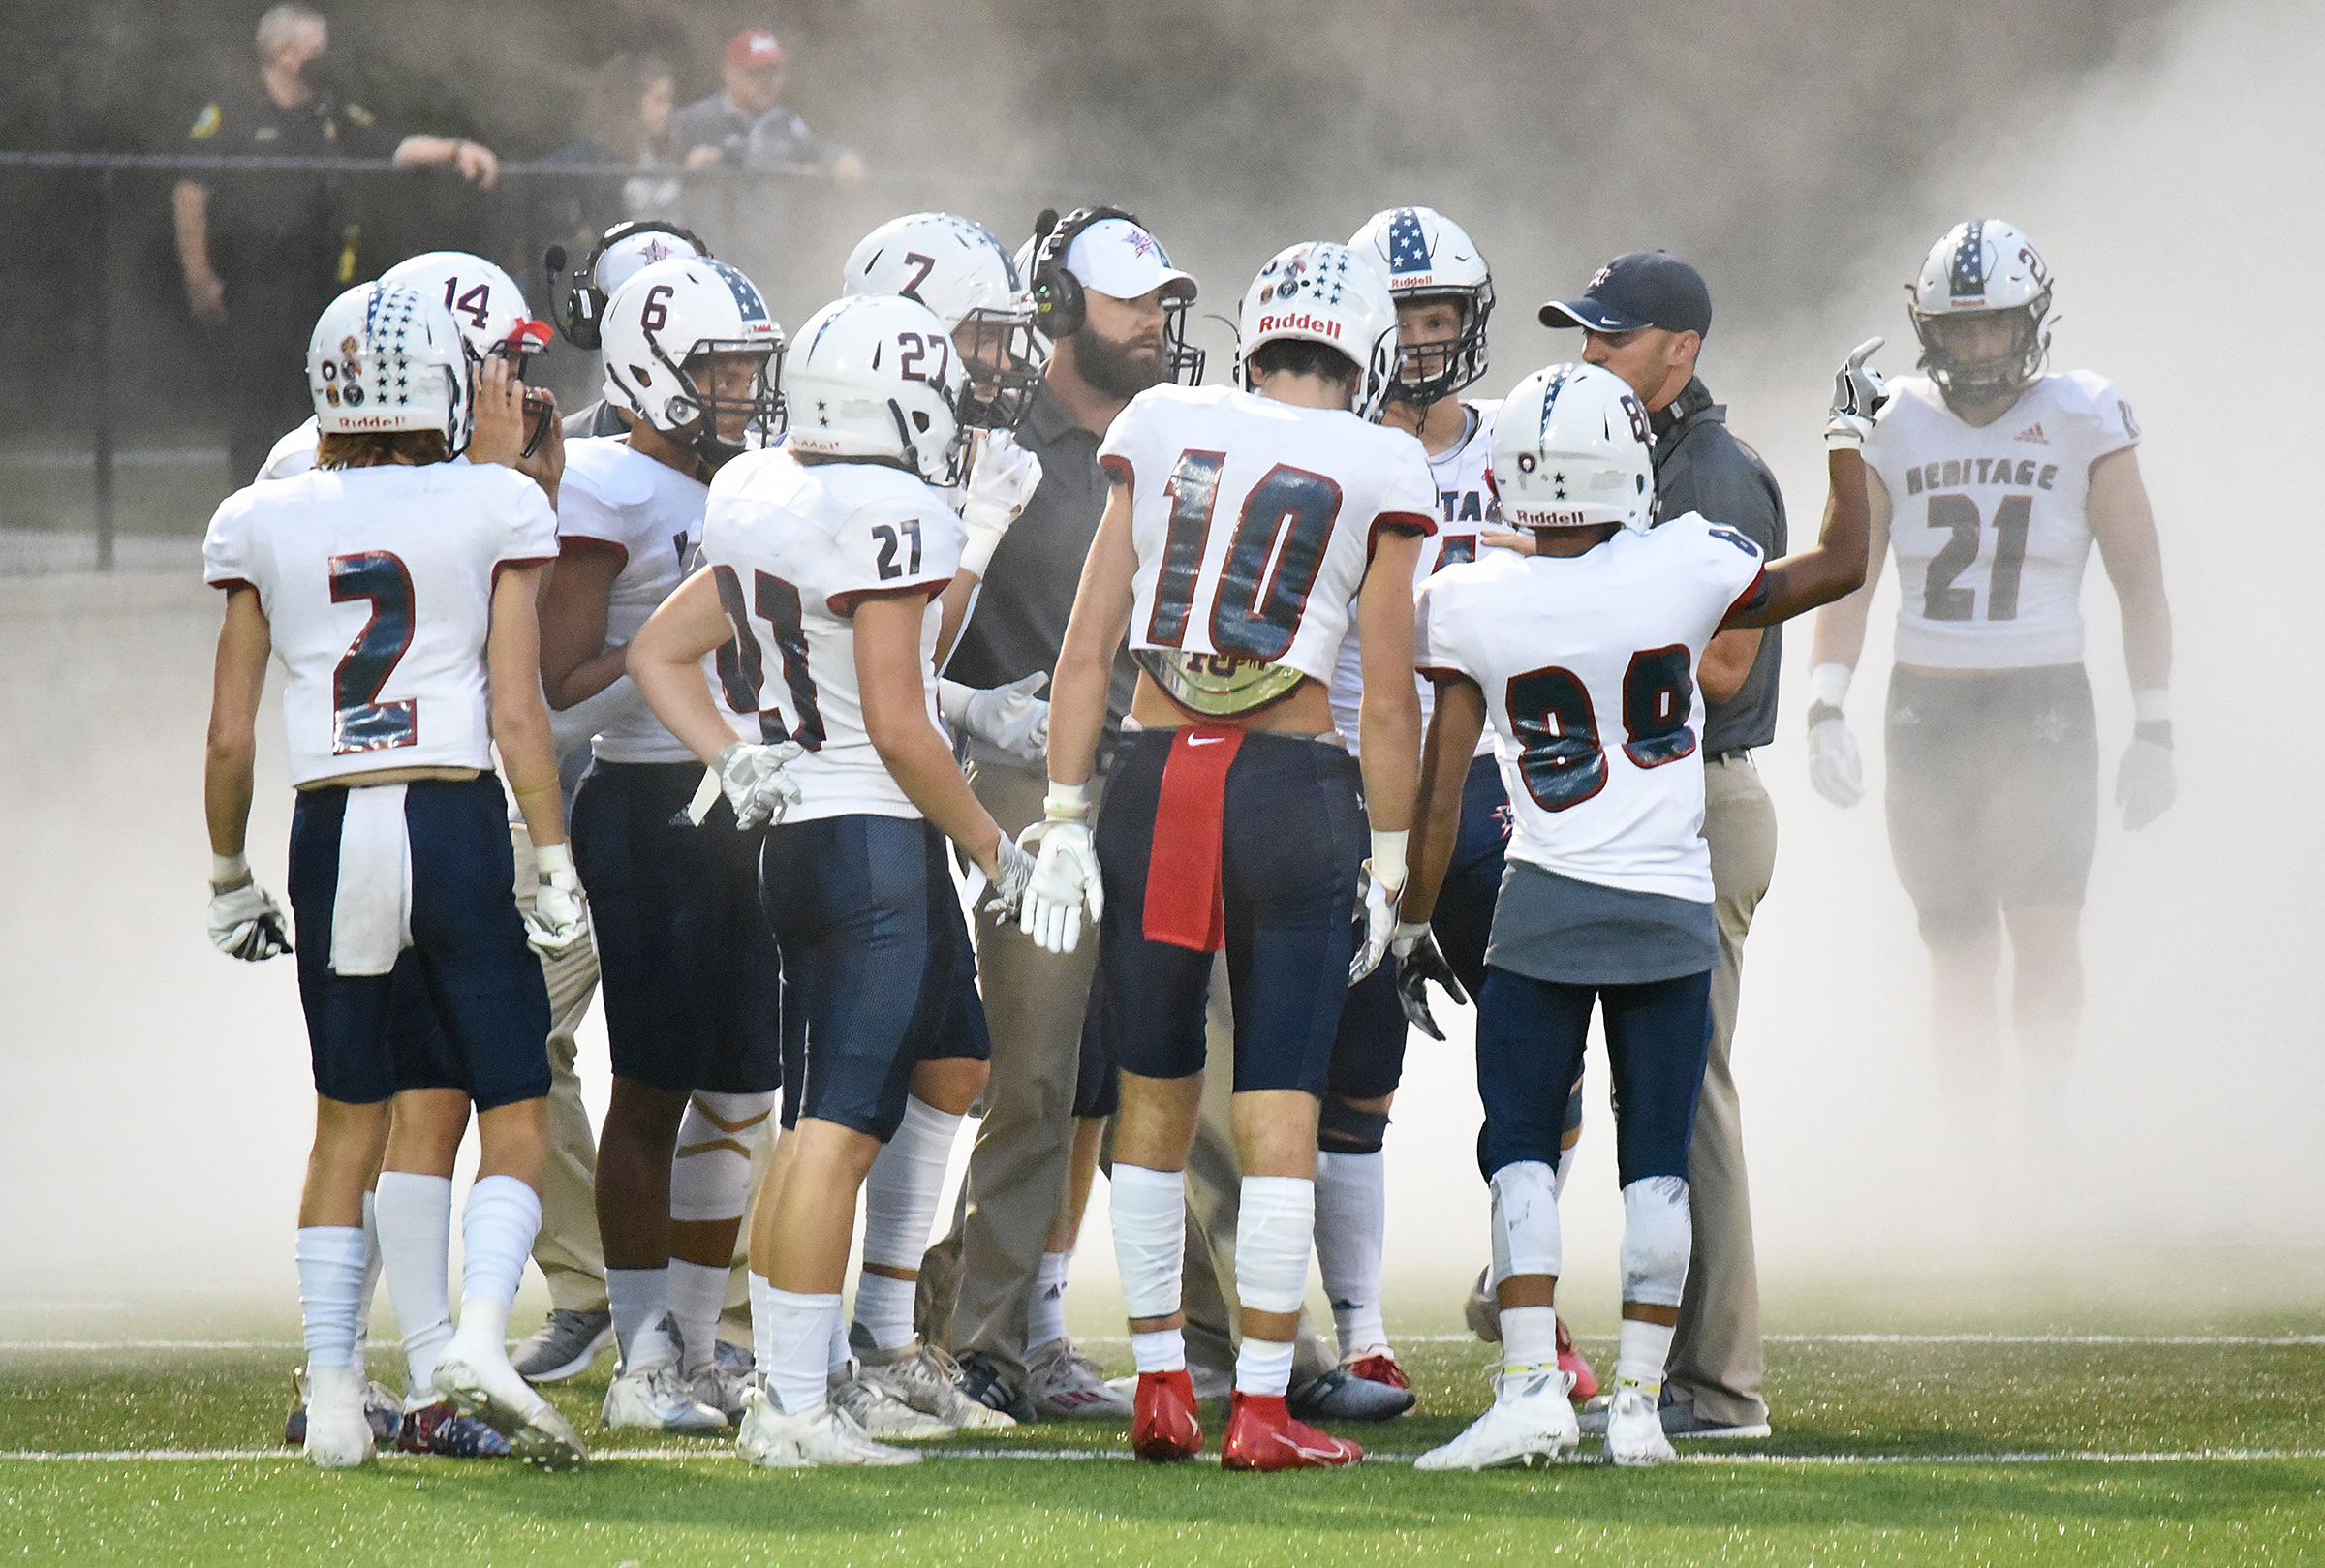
[[1639, 289]]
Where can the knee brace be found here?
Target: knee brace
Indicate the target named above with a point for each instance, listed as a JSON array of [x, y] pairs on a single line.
[[1343, 1129], [1275, 1226], [710, 1173], [1657, 1235], [1526, 1239]]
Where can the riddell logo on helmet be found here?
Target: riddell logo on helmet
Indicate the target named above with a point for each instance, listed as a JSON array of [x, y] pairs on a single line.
[[1301, 321], [1546, 517]]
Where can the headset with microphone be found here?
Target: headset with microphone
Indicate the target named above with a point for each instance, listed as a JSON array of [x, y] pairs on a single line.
[[584, 303]]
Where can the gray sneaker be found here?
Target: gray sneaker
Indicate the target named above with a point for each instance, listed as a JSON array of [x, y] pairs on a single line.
[[1680, 1421], [564, 1346], [1064, 1386], [1340, 1394], [878, 1413], [924, 1376]]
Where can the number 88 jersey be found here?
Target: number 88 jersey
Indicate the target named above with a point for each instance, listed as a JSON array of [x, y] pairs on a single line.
[[794, 549], [1254, 522], [1587, 665]]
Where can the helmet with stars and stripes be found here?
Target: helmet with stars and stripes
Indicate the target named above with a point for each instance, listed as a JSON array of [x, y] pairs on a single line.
[[1983, 268], [1425, 255], [1570, 451]]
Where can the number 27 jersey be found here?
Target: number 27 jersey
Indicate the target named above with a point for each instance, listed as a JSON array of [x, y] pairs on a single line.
[[1587, 665]]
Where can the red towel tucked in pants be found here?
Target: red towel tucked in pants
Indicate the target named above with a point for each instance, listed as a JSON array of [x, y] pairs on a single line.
[[1184, 903]]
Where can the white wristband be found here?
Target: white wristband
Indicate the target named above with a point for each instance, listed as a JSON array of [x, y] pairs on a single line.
[[227, 870], [952, 701], [1828, 683], [552, 858], [1066, 803], [977, 550], [1388, 857], [2153, 706]]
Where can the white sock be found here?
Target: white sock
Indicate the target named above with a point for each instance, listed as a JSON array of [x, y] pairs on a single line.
[[1148, 1212], [883, 1306], [698, 1297], [1045, 1312], [1263, 1366], [1351, 1218], [371, 1283], [330, 1273], [1164, 1350], [641, 1298], [497, 1228], [836, 1352], [793, 1333], [416, 1243], [1529, 1336], [1641, 1352], [903, 1186]]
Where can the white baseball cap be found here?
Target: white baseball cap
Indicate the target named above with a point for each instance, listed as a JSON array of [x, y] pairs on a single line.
[[1116, 257]]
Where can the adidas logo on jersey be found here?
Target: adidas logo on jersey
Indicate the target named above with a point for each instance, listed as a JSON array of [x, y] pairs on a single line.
[[1300, 321], [2034, 433]]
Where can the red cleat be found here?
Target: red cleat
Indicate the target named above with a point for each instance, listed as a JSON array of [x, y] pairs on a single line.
[[1163, 1423], [1261, 1435], [1570, 1362], [1380, 1367]]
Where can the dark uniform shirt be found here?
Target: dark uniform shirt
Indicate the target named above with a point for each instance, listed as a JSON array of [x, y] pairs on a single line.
[[777, 139], [1019, 621], [272, 219], [1701, 467]]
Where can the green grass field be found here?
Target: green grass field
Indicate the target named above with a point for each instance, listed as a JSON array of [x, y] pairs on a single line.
[[1887, 1451]]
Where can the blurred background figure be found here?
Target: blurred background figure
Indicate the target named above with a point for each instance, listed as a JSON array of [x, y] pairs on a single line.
[[626, 120], [262, 252], [746, 122]]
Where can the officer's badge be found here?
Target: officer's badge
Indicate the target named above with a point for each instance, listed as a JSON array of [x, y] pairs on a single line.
[[207, 123]]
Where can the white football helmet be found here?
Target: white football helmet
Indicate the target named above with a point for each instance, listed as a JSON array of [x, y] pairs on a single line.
[[959, 271], [383, 358], [1317, 292], [878, 377], [1421, 254], [1571, 451], [485, 302], [1978, 267], [622, 256], [660, 321]]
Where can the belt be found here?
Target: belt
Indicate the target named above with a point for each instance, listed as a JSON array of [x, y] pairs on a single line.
[[1732, 754]]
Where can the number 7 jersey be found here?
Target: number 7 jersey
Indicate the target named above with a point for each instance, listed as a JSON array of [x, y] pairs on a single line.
[[794, 549], [1587, 665]]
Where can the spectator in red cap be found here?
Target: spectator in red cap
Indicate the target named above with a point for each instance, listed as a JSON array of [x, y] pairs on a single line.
[[746, 122]]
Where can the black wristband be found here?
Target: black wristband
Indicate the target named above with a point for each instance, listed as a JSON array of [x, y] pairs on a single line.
[[1820, 712], [2157, 730]]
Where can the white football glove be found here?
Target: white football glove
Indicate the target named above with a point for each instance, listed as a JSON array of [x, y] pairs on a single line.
[[1834, 766], [1858, 393], [1008, 887], [245, 922], [1000, 486], [558, 920], [1065, 883], [1419, 961], [1009, 718], [2146, 783], [1383, 882], [755, 785]]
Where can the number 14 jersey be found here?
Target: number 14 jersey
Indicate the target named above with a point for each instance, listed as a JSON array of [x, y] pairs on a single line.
[[1588, 666]]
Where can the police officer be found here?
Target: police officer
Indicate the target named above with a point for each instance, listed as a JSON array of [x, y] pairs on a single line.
[[264, 251]]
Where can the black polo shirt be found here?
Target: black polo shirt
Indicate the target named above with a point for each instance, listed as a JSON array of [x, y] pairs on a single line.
[[1019, 623], [266, 219], [1701, 467]]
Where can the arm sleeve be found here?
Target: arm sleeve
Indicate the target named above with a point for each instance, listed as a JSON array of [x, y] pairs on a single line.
[[1434, 652], [1122, 450], [531, 539], [225, 547], [364, 135], [1408, 502], [893, 545], [586, 520], [2107, 414]]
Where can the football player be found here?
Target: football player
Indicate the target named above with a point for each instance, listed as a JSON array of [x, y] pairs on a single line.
[[1992, 480], [389, 580], [1242, 525], [617, 256], [823, 562], [691, 975], [1583, 656]]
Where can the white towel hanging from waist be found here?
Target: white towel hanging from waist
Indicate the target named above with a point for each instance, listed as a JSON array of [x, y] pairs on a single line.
[[371, 915]]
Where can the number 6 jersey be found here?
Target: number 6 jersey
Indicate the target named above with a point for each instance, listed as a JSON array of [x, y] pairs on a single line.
[[794, 548], [1588, 666], [1254, 521], [1991, 524], [377, 584]]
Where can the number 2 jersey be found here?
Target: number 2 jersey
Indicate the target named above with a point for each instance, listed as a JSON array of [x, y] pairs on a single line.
[[377, 583], [794, 549], [1991, 524], [1254, 522], [1587, 665]]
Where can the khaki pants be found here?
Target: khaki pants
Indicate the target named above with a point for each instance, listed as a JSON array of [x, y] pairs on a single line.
[[566, 1246], [976, 1283], [1716, 1358]]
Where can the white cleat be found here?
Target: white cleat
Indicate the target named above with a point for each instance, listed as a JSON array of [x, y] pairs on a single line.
[[657, 1398], [488, 1388], [1634, 1428], [720, 1387], [775, 1441], [925, 1378], [1531, 1421], [878, 1413], [1067, 1386], [338, 1430]]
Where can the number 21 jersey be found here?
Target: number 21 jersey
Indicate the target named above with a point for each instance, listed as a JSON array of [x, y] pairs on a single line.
[[794, 549], [1587, 665]]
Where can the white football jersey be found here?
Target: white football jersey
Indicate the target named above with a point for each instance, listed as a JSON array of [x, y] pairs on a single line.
[[649, 516], [1464, 501], [1253, 520], [1587, 665], [294, 454], [793, 548], [1991, 525], [377, 584]]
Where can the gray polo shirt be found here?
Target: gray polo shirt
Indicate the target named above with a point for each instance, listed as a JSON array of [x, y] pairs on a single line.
[[1019, 621], [1701, 467]]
